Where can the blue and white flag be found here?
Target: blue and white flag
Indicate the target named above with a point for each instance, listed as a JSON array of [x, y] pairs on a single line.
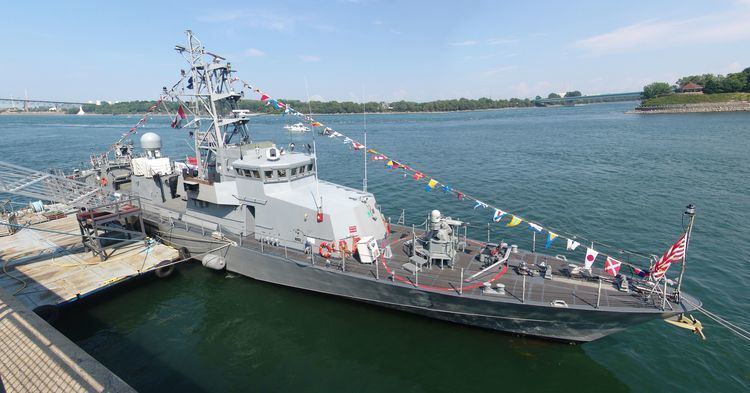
[[480, 204], [535, 227], [550, 238], [498, 215]]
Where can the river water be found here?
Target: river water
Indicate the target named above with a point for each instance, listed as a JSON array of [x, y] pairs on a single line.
[[591, 170]]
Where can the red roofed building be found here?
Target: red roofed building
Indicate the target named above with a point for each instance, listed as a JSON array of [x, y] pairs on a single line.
[[691, 87]]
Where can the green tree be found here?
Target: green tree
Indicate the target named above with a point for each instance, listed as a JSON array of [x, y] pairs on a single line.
[[656, 89], [553, 95], [574, 93]]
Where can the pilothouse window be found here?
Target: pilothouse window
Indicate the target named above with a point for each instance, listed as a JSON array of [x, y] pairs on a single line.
[[268, 174], [282, 173], [309, 167]]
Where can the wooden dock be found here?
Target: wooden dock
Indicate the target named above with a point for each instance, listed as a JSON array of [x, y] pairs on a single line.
[[37, 358], [47, 264]]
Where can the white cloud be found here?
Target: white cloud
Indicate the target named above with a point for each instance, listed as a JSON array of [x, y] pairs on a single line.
[[658, 34], [377, 22], [252, 52], [463, 43], [498, 70], [255, 18], [310, 58], [500, 41]]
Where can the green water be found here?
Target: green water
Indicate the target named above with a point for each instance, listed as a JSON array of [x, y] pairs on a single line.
[[591, 170]]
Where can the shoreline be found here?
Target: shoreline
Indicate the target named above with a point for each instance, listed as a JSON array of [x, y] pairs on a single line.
[[713, 107]]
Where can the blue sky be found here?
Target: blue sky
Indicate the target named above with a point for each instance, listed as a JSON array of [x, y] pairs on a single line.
[[413, 50]]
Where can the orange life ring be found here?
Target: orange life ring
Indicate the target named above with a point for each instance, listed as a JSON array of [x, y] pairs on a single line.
[[354, 243], [325, 250], [343, 248], [494, 251]]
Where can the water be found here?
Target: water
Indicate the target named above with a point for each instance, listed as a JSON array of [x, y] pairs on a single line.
[[590, 170]]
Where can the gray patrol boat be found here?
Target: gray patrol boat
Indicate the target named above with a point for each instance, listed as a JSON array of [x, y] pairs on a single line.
[[260, 210]]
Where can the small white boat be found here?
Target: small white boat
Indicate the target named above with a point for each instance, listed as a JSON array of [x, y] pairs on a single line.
[[299, 127]]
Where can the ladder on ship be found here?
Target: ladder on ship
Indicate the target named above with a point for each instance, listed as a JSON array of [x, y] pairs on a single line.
[[106, 220]]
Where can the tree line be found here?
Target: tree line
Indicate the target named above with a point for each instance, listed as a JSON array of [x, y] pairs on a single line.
[[731, 83], [327, 107]]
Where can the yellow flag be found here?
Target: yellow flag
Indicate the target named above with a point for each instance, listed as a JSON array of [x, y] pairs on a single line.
[[432, 183], [514, 221], [316, 124]]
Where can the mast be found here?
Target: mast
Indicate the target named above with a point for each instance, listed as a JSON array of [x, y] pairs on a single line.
[[212, 96], [364, 120], [690, 212]]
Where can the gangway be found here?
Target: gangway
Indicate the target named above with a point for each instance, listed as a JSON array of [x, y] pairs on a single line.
[[106, 220]]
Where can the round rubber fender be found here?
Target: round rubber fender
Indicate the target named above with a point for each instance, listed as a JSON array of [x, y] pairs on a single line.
[[165, 271], [184, 253]]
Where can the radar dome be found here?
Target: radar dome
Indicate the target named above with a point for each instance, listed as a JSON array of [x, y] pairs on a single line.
[[150, 140]]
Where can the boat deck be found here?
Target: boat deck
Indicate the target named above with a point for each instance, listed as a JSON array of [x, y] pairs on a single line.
[[579, 291], [574, 291], [52, 267]]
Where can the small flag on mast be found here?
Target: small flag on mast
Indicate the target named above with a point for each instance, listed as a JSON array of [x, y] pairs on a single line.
[[674, 254], [177, 122], [572, 244], [591, 255], [514, 221], [550, 238], [612, 266]]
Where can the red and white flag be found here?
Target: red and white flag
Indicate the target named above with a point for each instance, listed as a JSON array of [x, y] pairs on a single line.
[[674, 254], [612, 266], [591, 255], [177, 122]]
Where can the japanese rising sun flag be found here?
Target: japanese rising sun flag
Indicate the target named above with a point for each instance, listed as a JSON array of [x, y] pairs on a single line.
[[674, 254], [591, 255]]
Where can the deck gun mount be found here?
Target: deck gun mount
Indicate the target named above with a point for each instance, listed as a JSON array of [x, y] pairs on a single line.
[[439, 244]]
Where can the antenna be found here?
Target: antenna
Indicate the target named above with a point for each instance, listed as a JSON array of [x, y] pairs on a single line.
[[364, 120], [315, 151]]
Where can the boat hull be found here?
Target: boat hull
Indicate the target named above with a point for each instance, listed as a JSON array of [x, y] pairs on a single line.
[[501, 313]]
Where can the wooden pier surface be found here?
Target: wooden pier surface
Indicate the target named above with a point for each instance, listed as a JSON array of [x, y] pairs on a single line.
[[34, 357], [45, 268]]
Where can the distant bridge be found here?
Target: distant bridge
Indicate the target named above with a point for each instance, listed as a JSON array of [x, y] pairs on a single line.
[[595, 98], [27, 103]]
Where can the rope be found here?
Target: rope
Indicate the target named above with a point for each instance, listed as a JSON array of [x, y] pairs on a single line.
[[18, 226], [23, 282], [742, 333], [424, 177]]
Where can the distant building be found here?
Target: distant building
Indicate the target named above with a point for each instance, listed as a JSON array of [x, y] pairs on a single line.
[[691, 88]]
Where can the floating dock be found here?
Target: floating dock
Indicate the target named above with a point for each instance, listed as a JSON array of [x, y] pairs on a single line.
[[37, 358], [46, 264]]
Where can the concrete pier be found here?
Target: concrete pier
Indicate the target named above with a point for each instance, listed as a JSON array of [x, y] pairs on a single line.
[[34, 357]]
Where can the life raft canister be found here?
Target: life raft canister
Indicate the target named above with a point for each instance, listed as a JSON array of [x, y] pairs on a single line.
[[325, 250], [319, 216]]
